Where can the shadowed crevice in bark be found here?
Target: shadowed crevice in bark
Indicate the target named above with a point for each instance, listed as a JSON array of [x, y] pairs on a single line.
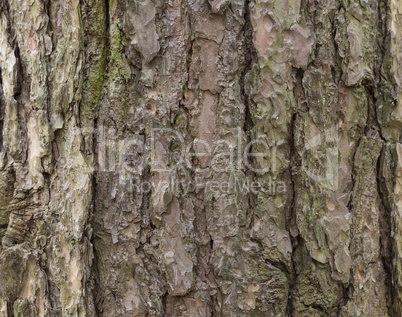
[[293, 170], [250, 56], [386, 220], [2, 110]]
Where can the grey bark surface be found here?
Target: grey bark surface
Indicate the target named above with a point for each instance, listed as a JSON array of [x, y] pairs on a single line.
[[99, 99]]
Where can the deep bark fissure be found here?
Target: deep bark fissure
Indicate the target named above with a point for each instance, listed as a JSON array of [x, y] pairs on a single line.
[[296, 239], [248, 126], [10, 309], [386, 232], [2, 110], [387, 243]]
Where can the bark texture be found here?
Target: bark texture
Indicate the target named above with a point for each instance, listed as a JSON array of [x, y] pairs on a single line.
[[100, 98]]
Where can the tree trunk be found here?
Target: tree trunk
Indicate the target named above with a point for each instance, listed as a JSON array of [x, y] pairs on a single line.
[[200, 158]]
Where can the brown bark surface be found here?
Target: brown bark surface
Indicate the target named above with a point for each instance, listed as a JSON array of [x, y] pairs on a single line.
[[200, 158]]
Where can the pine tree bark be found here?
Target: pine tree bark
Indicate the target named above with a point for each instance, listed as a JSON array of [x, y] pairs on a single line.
[[200, 158]]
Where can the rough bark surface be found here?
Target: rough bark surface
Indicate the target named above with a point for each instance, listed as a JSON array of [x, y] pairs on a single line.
[[99, 99]]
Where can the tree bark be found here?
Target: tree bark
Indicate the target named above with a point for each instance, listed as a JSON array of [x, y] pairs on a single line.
[[200, 158]]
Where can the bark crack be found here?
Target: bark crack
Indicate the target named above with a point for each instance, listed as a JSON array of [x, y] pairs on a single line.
[[250, 56]]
